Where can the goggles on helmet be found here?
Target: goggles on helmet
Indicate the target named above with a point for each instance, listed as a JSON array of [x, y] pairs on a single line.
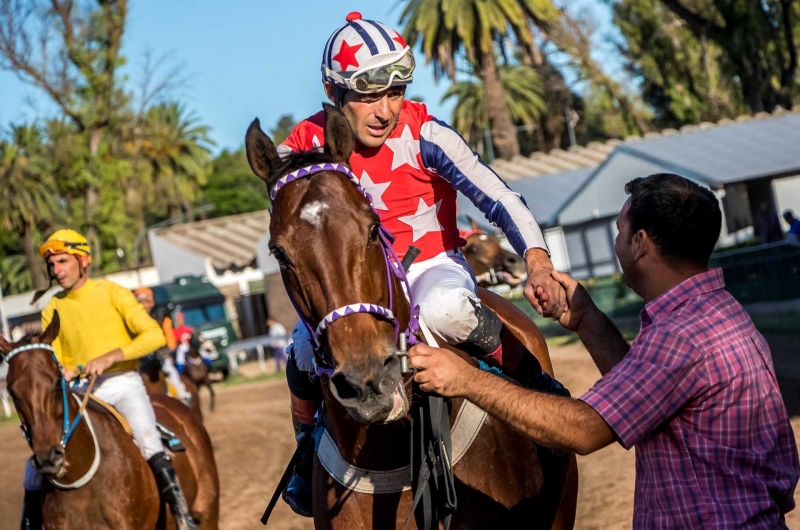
[[63, 247], [376, 78]]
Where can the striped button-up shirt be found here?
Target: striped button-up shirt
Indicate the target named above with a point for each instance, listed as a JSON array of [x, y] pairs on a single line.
[[697, 395]]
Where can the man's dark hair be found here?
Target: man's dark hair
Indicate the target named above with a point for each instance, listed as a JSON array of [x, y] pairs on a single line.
[[681, 217]]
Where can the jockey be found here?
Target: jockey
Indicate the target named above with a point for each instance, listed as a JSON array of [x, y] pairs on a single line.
[[413, 165], [104, 331], [145, 296]]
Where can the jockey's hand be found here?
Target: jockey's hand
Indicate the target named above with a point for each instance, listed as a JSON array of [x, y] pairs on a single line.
[[578, 300], [545, 294], [440, 370], [104, 362], [69, 374]]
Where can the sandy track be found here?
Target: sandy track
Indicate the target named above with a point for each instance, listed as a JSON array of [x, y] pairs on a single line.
[[253, 441]]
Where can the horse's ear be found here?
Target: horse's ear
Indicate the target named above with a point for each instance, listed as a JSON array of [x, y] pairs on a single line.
[[50, 334], [339, 141], [261, 152], [5, 346], [472, 224]]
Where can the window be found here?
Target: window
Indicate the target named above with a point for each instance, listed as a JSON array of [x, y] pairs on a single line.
[[197, 316]]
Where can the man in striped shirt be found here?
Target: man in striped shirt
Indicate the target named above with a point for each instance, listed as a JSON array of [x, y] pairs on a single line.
[[696, 392]]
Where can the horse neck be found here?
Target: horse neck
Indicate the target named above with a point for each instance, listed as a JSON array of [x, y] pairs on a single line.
[[375, 447]]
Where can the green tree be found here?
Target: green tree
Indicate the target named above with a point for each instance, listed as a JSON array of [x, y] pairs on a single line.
[[28, 195], [681, 76], [178, 150], [522, 88], [231, 187], [70, 49], [282, 128], [477, 28], [758, 44]]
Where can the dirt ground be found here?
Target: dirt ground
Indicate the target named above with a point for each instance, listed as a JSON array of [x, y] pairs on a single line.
[[253, 441]]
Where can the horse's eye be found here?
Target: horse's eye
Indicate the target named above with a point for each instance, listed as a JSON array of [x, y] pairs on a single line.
[[278, 254], [471, 249], [374, 232]]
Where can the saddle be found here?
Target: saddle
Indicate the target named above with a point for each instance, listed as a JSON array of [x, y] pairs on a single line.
[[168, 438]]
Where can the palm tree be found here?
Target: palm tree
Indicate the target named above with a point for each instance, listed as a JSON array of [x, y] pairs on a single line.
[[178, 150], [28, 194], [446, 28], [523, 90]]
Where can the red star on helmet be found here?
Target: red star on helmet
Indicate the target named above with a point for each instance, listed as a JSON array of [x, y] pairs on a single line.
[[347, 55], [399, 39]]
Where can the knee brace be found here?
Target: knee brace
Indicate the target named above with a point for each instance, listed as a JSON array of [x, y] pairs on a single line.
[[487, 335]]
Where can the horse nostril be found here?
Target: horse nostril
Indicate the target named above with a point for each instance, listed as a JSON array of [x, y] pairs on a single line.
[[513, 260], [344, 388]]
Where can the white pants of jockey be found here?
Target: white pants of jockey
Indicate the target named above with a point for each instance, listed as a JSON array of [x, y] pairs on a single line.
[[443, 287], [174, 378], [127, 394]]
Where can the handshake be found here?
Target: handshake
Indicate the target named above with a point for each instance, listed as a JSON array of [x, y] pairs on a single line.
[[559, 296]]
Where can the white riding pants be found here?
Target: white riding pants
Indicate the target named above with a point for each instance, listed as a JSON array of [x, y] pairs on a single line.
[[174, 378], [443, 287], [127, 394]]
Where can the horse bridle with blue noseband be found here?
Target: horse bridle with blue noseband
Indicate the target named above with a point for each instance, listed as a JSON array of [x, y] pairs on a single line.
[[68, 428], [393, 268]]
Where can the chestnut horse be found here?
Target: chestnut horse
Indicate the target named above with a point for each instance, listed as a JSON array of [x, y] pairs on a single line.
[[327, 240], [122, 493], [490, 262]]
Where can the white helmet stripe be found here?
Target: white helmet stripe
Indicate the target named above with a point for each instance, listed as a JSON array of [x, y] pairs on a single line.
[[331, 42]]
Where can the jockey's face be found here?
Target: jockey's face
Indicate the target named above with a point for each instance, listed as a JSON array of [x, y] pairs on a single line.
[[68, 269], [372, 116]]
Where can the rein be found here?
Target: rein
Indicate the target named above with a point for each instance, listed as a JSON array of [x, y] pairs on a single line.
[[68, 428], [394, 268]]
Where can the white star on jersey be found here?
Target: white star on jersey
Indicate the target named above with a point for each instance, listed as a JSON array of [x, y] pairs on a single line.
[[425, 220], [405, 149], [315, 143], [375, 190]]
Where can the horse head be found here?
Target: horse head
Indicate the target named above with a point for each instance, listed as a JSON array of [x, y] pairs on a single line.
[[34, 383], [328, 241], [492, 264]]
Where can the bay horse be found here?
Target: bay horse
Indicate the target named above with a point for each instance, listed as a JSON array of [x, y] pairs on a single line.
[[490, 262], [121, 493], [155, 381], [327, 239], [197, 371]]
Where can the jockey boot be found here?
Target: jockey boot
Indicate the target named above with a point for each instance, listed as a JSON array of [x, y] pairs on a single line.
[[170, 490], [32, 511], [298, 491], [493, 343]]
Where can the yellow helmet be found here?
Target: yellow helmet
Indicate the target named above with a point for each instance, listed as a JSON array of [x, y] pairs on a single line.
[[66, 241]]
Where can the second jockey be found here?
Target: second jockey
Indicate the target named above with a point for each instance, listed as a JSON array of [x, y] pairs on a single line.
[[413, 165], [104, 331]]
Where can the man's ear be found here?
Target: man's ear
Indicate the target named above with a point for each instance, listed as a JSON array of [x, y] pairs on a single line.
[[641, 244]]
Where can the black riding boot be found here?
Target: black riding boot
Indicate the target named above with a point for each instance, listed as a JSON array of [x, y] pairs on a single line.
[[32, 511], [298, 492], [492, 342], [170, 490]]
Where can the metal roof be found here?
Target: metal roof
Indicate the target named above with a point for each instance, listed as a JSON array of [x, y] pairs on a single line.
[[736, 148], [724, 155], [544, 195], [230, 242]]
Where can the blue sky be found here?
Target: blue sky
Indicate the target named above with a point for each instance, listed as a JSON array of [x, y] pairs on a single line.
[[242, 59]]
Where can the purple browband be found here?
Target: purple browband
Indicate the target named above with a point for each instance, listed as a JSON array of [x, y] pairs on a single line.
[[393, 268]]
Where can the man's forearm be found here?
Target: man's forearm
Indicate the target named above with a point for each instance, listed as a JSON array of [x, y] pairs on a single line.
[[553, 421], [604, 341]]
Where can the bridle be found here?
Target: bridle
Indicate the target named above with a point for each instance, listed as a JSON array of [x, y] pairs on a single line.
[[68, 428], [393, 264]]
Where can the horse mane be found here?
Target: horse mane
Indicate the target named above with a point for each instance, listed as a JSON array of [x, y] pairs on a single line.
[[294, 161]]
